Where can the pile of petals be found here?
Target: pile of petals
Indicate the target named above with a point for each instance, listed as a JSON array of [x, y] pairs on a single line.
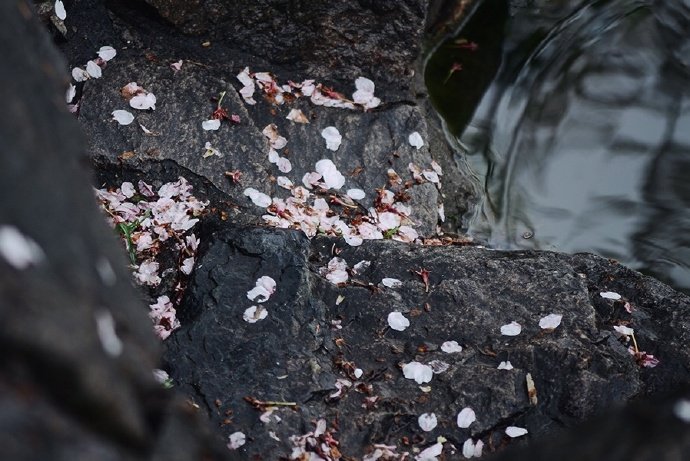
[[319, 94], [318, 444], [145, 219], [309, 209], [92, 69]]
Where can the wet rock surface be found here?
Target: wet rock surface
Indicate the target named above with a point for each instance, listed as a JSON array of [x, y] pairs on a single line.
[[323, 351]]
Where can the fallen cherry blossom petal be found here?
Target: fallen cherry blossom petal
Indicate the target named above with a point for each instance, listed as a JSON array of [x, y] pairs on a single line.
[[284, 182], [70, 93], [466, 417], [258, 198], [237, 439], [397, 321], [358, 372], [415, 140], [60, 11], [17, 249], [80, 75], [430, 453], [439, 366], [427, 421], [332, 137], [450, 347], [284, 165], [177, 66], [623, 330], [331, 176], [418, 371], [247, 91], [391, 282], [210, 124], [356, 194], [471, 449], [254, 313], [106, 53], [123, 117], [297, 116], [550, 322], [505, 365], [610, 295], [93, 69], [514, 431], [511, 329], [143, 101]]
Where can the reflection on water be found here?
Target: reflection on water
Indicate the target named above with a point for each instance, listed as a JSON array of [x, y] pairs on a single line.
[[583, 139]]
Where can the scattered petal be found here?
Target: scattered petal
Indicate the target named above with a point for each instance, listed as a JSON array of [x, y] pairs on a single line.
[[70, 93], [107, 53], [143, 101], [511, 329], [430, 453], [356, 194], [427, 421], [258, 198], [514, 431], [358, 373], [397, 321], [297, 116], [416, 140], [391, 282], [331, 176], [60, 10], [623, 330], [550, 322], [682, 410], [472, 450], [254, 313], [237, 439], [610, 295], [17, 249], [332, 137], [123, 117], [466, 417], [450, 347], [505, 365], [418, 371], [80, 75], [93, 69], [210, 124]]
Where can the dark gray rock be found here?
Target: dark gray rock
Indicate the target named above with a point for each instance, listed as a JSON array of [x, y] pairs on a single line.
[[296, 354]]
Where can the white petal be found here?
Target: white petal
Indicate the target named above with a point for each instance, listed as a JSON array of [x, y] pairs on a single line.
[[610, 295], [284, 182], [254, 313], [80, 75], [210, 125], [331, 176], [297, 116], [427, 421], [337, 276], [626, 331], [466, 417], [284, 165], [514, 431], [237, 439], [430, 453], [450, 347], [468, 449], [391, 282], [356, 194], [107, 53], [93, 69], [415, 140], [143, 101], [388, 220], [511, 329], [682, 410], [60, 10], [70, 93], [505, 365], [17, 249], [123, 117], [258, 198], [358, 371], [550, 322], [418, 371], [365, 85], [398, 322], [332, 137]]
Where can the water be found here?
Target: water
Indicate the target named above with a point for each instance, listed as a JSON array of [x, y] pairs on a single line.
[[581, 137]]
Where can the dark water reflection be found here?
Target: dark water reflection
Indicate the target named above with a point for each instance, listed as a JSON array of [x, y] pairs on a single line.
[[582, 141]]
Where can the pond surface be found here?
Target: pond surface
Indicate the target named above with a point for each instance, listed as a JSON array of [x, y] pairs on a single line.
[[581, 134]]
